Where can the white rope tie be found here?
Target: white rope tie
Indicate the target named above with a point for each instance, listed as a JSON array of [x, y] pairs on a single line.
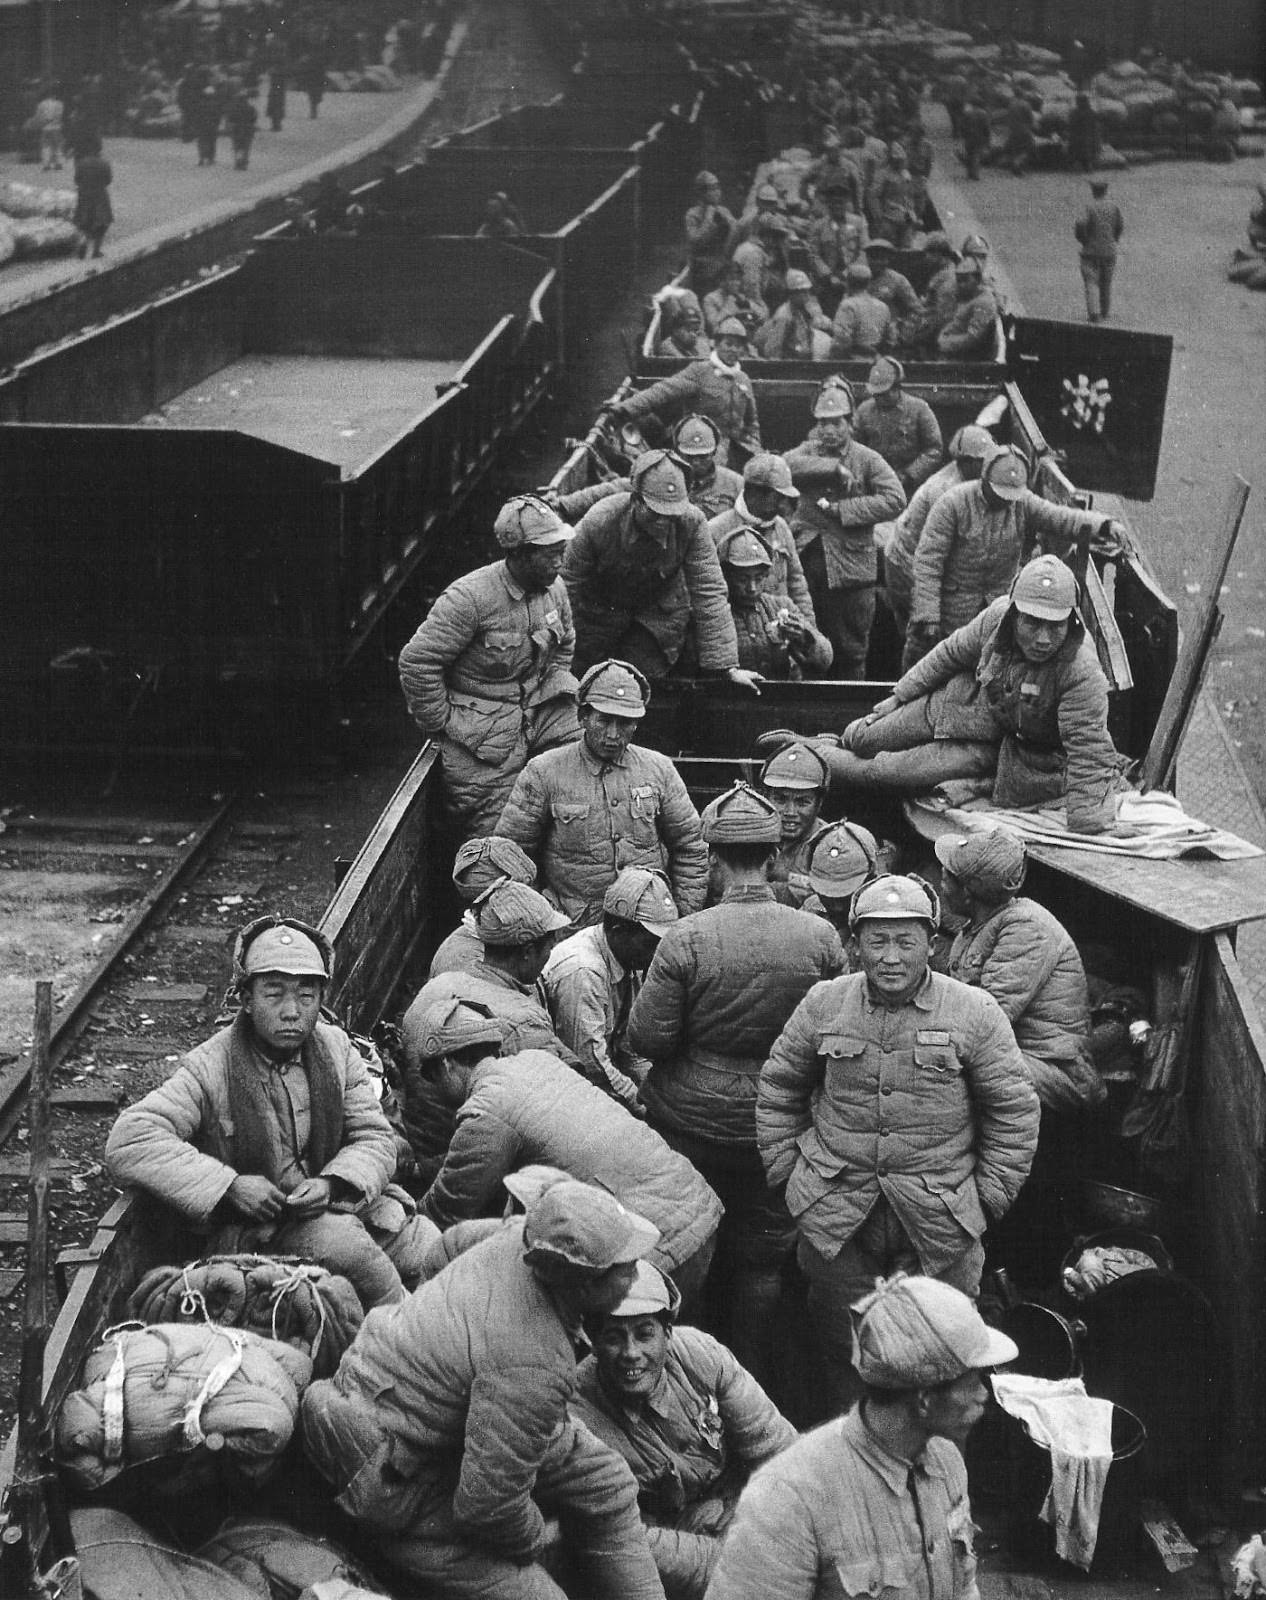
[[215, 1381]]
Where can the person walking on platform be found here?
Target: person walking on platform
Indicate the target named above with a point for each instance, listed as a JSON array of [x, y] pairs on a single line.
[[689, 1420], [976, 133], [586, 810], [896, 1113], [876, 1503], [445, 1430], [275, 104], [241, 120], [208, 114], [488, 673], [641, 569], [1098, 230], [93, 211], [718, 991], [269, 1136], [845, 489]]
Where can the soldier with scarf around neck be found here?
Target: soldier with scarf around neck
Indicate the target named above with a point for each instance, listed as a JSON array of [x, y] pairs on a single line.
[[269, 1136]]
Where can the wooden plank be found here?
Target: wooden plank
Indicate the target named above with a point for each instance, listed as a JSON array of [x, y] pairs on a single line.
[[34, 844], [1199, 896], [1158, 765], [13, 1228], [169, 994], [86, 1097], [17, 1168], [1171, 1544]]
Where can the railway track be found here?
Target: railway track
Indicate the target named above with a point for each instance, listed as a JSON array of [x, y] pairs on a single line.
[[144, 908]]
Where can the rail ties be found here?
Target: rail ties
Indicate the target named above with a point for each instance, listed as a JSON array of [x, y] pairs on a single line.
[[107, 885]]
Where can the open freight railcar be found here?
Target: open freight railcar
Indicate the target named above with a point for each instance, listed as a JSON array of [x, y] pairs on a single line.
[[208, 504]]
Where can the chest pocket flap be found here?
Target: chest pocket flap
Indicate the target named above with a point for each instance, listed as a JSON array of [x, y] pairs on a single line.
[[872, 1576], [935, 1051], [567, 813], [842, 1049]]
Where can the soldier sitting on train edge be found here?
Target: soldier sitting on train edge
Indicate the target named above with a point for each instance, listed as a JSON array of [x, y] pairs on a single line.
[[488, 674], [269, 1136]]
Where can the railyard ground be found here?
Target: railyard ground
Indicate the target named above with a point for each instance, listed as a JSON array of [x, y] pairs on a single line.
[[1182, 221]]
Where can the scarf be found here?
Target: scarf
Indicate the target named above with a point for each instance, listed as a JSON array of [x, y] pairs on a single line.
[[256, 1142]]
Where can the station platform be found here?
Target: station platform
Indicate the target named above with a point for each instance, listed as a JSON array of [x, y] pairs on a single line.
[[160, 195]]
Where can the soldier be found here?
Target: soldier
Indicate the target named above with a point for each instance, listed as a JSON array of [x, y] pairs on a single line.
[[902, 427], [836, 240], [592, 979], [894, 289], [896, 1110], [715, 385], [796, 780], [968, 450], [445, 1429], [478, 864], [269, 1136], [775, 638], [690, 1422], [768, 498], [529, 1109], [846, 489], [717, 992], [590, 809], [940, 297], [977, 535], [730, 300], [709, 233], [977, 132], [844, 857], [798, 330], [1098, 231], [863, 325], [1017, 695], [710, 486], [971, 333], [488, 674], [882, 1495], [641, 569]]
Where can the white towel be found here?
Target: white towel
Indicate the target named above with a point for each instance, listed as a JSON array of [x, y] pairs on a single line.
[[1077, 1430]]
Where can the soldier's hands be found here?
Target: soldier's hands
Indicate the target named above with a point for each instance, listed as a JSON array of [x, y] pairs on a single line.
[[751, 681], [844, 478], [311, 1198], [255, 1197], [885, 708]]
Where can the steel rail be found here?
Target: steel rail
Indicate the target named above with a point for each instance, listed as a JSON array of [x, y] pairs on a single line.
[[15, 1079]]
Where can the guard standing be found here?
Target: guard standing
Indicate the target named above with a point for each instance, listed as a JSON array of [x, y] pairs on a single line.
[[488, 674], [590, 809], [896, 1110]]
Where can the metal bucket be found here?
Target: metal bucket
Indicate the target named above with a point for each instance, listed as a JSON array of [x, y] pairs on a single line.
[[1030, 1464]]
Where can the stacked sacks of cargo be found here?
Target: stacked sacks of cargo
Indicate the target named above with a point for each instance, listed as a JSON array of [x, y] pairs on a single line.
[[36, 221], [195, 1397], [294, 1301]]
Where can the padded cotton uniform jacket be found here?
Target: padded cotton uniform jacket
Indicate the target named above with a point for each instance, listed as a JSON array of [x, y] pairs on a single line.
[[177, 1142], [584, 820], [706, 1421], [617, 575], [446, 1423], [786, 577], [970, 551], [1026, 959], [927, 1104], [834, 1518], [906, 435], [1052, 717], [846, 523], [718, 990], [488, 674], [722, 394], [531, 1108]]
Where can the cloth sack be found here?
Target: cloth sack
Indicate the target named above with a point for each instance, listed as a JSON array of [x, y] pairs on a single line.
[[180, 1390]]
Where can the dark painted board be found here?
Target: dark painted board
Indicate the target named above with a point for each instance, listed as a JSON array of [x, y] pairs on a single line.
[[1199, 896], [1065, 369]]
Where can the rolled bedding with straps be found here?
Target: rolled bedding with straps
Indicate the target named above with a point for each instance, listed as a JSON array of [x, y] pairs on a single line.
[[277, 1297], [181, 1390]]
